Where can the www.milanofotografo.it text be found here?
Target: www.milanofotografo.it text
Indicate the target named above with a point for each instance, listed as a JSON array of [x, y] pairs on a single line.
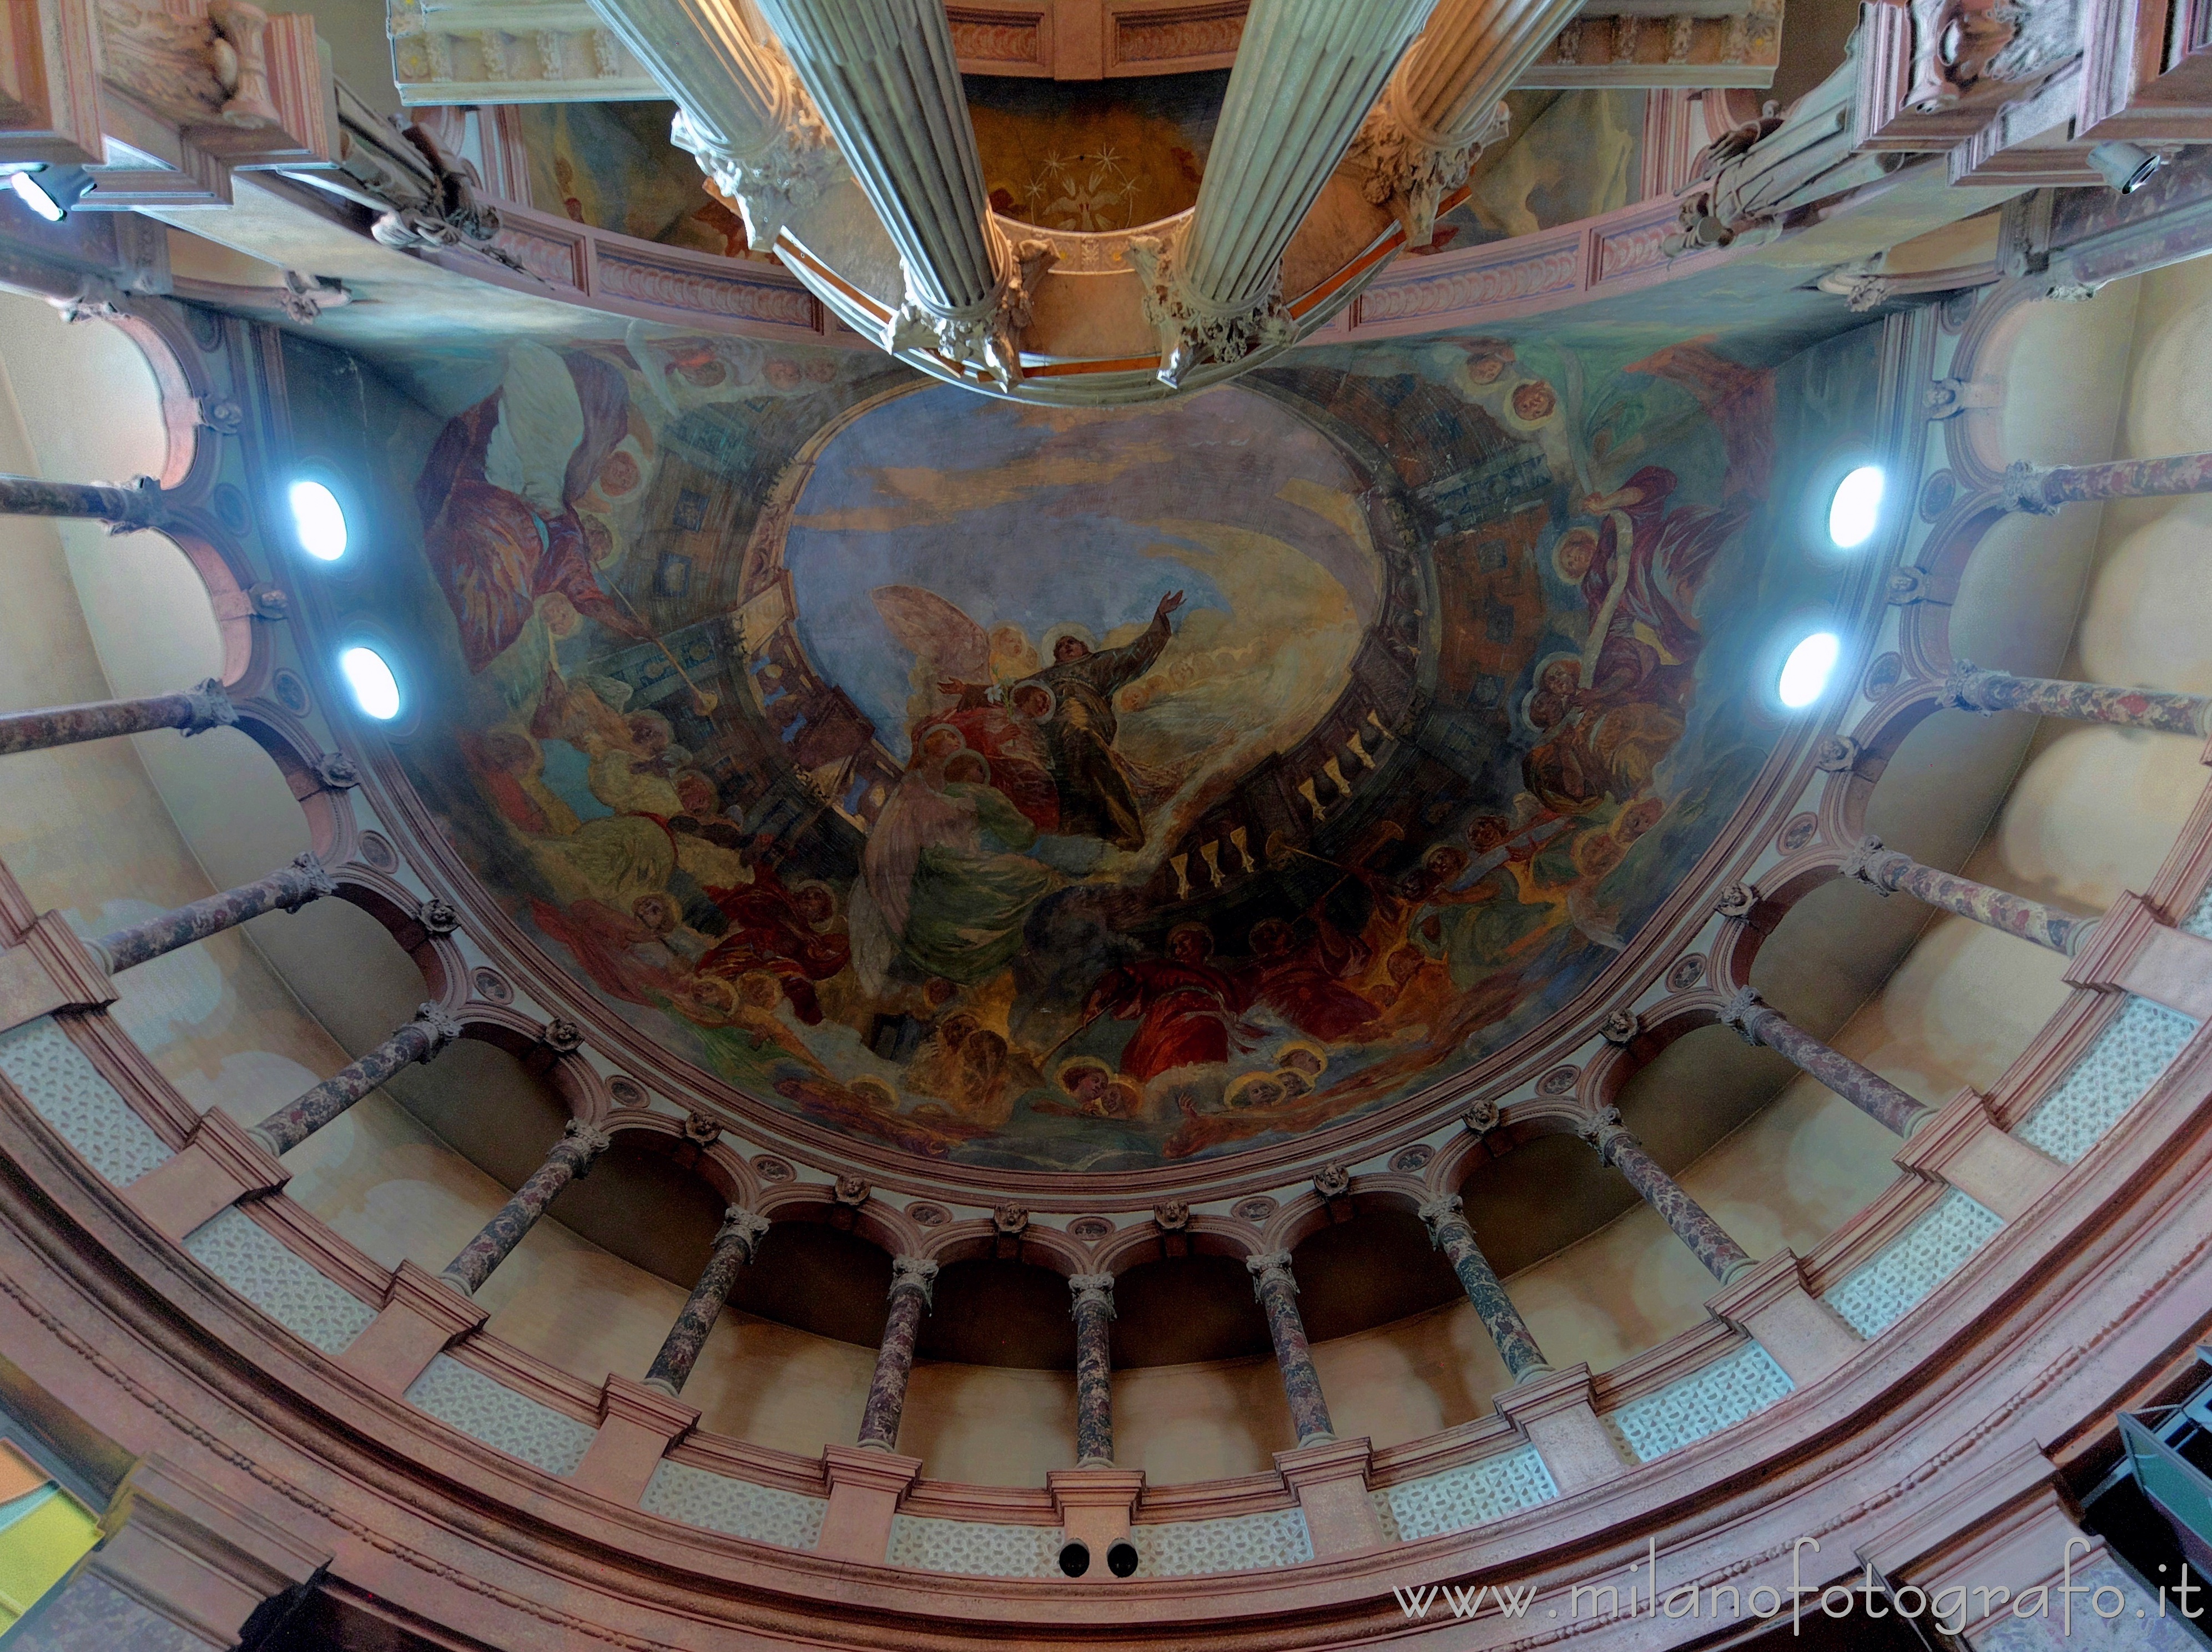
[[1953, 1608]]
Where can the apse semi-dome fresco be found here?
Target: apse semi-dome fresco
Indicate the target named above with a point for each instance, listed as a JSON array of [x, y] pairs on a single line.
[[1062, 789]]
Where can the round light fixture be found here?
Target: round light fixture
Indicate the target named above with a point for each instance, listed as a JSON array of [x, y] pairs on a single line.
[[1855, 510], [51, 192], [319, 521], [1805, 674], [375, 691]]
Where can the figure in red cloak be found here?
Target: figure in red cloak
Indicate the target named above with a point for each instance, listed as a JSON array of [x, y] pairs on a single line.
[[495, 552], [775, 929], [1186, 1009], [1303, 982]]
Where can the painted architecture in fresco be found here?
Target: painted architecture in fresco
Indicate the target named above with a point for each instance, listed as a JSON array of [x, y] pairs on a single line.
[[1061, 789]]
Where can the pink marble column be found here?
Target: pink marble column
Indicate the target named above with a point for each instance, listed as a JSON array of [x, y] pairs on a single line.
[[910, 1300], [193, 710], [430, 1032], [2040, 489], [1888, 871], [292, 888], [139, 507], [580, 1144], [1093, 1309], [1970, 688], [1517, 1344], [1721, 1255], [735, 1243], [1278, 1293], [1872, 1094]]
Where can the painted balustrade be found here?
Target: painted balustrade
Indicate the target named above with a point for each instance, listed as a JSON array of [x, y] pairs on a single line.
[[193, 711]]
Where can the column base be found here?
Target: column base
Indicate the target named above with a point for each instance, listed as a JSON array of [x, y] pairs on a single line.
[[1964, 1146], [220, 1165], [2136, 950], [637, 1425], [47, 968], [1558, 1413], [422, 1316], [1331, 1482], [1800, 1332], [866, 1484], [1094, 1505]]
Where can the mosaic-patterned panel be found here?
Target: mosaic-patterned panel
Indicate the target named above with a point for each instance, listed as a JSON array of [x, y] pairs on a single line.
[[1472, 1494], [1198, 1548], [763, 1514], [974, 1548], [1873, 1298], [55, 1078], [491, 1411], [1719, 1396], [2110, 1078], [254, 1262]]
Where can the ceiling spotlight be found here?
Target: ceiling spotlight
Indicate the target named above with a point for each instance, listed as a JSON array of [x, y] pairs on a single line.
[[1855, 509], [51, 192], [2126, 166], [1805, 674], [375, 691], [320, 520]]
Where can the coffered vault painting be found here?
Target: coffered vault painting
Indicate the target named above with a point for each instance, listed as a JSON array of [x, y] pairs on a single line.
[[1093, 790]]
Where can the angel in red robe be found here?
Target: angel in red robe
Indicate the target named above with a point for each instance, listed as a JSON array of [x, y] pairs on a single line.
[[778, 931], [1187, 1009], [1304, 982]]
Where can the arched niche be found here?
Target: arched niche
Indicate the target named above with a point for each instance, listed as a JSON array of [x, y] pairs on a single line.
[[1377, 1268], [1181, 1310], [995, 1312]]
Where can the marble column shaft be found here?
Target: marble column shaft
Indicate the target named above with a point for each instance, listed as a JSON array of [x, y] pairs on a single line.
[[571, 1156], [910, 1300], [291, 888], [125, 507], [884, 76], [1692, 1225], [1278, 1293], [2042, 490], [735, 1243], [430, 1032], [1970, 688], [1516, 1343], [1445, 102], [1093, 1311], [1873, 1095], [193, 710], [1888, 871]]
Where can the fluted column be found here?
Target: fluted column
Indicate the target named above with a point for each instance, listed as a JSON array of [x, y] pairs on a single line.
[[291, 888], [1278, 1293], [138, 506], [1093, 1309], [573, 1155], [911, 1278], [735, 1244], [193, 710], [1871, 1093], [740, 110], [430, 1032], [1889, 870], [1445, 105], [1706, 1239], [1450, 1231], [882, 76], [1307, 74], [1970, 688], [2040, 489]]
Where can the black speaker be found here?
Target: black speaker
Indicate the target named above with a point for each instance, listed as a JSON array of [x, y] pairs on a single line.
[[1121, 1559], [1075, 1559]]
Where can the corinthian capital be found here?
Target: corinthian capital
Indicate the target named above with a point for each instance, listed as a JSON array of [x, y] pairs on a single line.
[[1740, 1013], [915, 1273], [210, 708], [443, 1029], [1192, 331], [780, 175], [1963, 686], [1437, 1211], [1270, 1267], [1090, 1291], [1875, 866], [591, 1140], [989, 331], [742, 1228], [1400, 161], [1606, 1133]]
